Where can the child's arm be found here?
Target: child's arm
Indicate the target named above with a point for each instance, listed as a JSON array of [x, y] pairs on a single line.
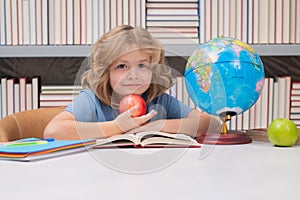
[[196, 123], [64, 126]]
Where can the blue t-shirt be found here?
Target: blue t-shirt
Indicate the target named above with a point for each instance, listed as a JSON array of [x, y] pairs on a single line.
[[86, 107]]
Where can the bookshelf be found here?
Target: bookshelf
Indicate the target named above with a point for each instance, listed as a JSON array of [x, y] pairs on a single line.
[[170, 50], [66, 29]]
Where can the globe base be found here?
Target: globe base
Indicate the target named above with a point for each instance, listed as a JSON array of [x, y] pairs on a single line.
[[230, 138]]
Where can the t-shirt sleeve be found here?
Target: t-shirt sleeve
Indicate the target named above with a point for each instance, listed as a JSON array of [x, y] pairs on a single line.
[[83, 107], [177, 109]]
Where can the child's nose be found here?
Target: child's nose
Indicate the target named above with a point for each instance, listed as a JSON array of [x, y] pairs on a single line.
[[133, 74]]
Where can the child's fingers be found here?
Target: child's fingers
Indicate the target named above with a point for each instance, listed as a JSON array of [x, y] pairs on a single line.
[[152, 113], [130, 111], [148, 116], [126, 122]]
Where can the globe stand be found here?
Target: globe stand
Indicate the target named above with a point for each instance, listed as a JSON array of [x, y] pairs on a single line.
[[226, 137]]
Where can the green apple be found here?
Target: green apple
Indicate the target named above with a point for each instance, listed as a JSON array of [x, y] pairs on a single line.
[[283, 132]]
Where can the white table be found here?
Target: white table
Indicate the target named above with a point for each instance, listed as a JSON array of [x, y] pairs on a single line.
[[251, 171]]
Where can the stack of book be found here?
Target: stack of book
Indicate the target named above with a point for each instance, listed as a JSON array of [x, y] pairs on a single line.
[[19, 94], [173, 22], [295, 103], [58, 95], [32, 149]]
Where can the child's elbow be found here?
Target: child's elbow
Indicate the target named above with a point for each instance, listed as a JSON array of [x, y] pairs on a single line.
[[60, 127], [50, 132]]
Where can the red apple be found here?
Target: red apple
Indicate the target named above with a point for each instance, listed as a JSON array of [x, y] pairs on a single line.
[[131, 100]]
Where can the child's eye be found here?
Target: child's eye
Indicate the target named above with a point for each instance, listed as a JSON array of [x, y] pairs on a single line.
[[122, 66], [143, 66]]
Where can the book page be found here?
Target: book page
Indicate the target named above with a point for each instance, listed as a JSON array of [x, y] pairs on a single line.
[[117, 140], [160, 141], [156, 138]]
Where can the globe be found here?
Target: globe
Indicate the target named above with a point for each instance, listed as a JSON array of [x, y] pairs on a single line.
[[224, 76]]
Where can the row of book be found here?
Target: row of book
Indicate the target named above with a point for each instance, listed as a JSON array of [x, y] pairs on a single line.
[[280, 98], [82, 22], [64, 22], [19, 94], [252, 21]]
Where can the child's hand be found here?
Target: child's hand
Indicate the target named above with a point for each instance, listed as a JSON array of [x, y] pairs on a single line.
[[152, 126], [125, 122]]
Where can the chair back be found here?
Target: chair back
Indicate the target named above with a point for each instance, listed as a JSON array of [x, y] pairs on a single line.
[[25, 124]]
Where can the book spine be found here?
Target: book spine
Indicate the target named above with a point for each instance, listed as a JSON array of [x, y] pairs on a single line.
[[2, 23], [4, 96], [45, 22]]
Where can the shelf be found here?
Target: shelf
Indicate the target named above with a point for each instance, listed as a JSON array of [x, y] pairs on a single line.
[[44, 51], [170, 50], [277, 49]]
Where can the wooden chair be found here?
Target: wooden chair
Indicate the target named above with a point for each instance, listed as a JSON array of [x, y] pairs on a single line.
[[30, 123]]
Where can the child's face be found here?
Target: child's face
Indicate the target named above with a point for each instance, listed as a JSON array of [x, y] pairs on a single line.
[[131, 73]]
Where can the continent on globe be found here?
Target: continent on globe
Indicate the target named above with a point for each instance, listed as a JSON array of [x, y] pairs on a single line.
[[204, 75], [224, 75]]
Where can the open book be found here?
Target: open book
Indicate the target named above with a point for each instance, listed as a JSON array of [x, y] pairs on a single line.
[[153, 139]]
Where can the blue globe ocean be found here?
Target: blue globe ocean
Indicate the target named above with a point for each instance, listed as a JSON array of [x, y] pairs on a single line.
[[224, 76]]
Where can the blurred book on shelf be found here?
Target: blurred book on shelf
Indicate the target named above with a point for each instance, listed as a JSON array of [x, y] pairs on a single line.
[[19, 94], [58, 95], [178, 20]]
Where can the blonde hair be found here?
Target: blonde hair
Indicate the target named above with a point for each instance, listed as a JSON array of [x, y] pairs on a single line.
[[115, 43]]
